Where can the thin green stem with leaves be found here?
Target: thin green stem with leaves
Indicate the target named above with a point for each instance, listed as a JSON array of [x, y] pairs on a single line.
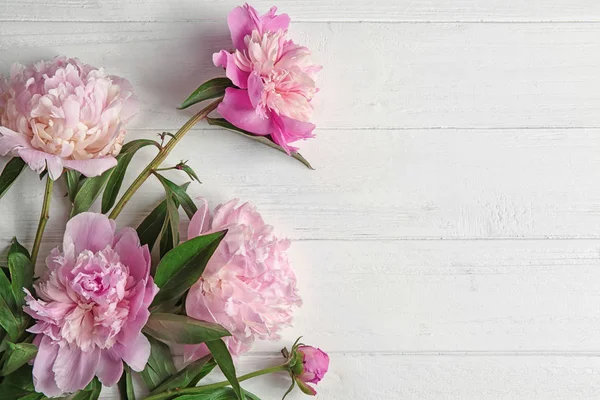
[[212, 386], [161, 156], [44, 215]]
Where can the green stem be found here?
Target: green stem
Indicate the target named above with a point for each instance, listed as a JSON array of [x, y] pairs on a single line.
[[161, 156], [204, 388], [44, 215]]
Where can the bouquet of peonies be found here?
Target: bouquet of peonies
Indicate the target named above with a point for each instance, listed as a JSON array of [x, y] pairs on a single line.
[[103, 308]]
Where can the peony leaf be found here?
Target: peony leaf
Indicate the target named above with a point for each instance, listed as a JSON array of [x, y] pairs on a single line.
[[191, 173], [180, 329], [160, 364], [91, 391], [10, 173], [72, 179], [109, 197], [207, 369], [225, 393], [221, 354], [150, 228], [17, 355], [8, 321], [184, 377], [21, 270], [181, 267], [182, 197], [169, 235], [262, 139], [126, 384], [89, 192], [208, 90]]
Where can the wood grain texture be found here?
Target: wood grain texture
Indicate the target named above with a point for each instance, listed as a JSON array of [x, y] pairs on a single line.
[[376, 75], [305, 10]]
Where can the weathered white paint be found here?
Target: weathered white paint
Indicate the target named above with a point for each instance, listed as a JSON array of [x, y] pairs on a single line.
[[446, 243]]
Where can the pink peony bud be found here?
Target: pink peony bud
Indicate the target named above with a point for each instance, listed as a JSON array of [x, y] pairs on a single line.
[[315, 363], [64, 114], [275, 78]]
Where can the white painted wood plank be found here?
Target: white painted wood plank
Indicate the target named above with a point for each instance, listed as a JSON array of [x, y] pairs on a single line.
[[306, 10], [461, 377], [382, 184], [375, 75]]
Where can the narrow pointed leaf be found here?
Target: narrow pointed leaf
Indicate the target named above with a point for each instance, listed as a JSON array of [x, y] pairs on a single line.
[[181, 329], [8, 321], [225, 393], [126, 384], [184, 377], [221, 354], [190, 172], [170, 230], [181, 267], [262, 139], [208, 90], [72, 178], [89, 192], [111, 192], [182, 197], [6, 293], [18, 355], [207, 369], [10, 173], [150, 228], [21, 271]]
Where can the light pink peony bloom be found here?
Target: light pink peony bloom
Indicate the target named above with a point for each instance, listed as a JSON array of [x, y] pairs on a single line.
[[91, 307], [248, 286], [315, 363], [63, 113], [275, 77]]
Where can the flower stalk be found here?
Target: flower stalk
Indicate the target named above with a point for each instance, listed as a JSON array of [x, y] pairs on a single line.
[[161, 156], [201, 389], [44, 216]]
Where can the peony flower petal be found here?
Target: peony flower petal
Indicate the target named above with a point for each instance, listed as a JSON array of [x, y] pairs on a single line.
[[227, 61], [200, 221], [241, 20], [92, 167], [237, 109], [287, 130], [255, 89], [273, 23], [135, 354], [11, 141], [74, 368], [88, 231], [110, 368], [127, 245], [54, 165], [43, 376]]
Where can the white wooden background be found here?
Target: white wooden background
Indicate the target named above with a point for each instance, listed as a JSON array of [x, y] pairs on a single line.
[[447, 245]]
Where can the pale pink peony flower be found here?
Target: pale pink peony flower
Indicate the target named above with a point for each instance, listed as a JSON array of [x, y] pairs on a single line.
[[315, 364], [248, 285], [275, 77], [91, 307], [63, 113]]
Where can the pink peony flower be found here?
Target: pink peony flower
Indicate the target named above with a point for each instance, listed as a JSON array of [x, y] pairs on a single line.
[[315, 363], [248, 285], [92, 305], [63, 113], [275, 77]]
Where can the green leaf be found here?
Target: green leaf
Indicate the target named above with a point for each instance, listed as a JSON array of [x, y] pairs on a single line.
[[225, 393], [18, 355], [72, 178], [6, 293], [111, 192], [169, 236], [150, 228], [8, 321], [184, 377], [181, 267], [33, 396], [160, 364], [182, 197], [19, 385], [126, 384], [89, 192], [262, 139], [191, 173], [91, 391], [208, 90], [21, 271], [207, 369], [305, 388], [10, 173], [221, 354], [173, 328]]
